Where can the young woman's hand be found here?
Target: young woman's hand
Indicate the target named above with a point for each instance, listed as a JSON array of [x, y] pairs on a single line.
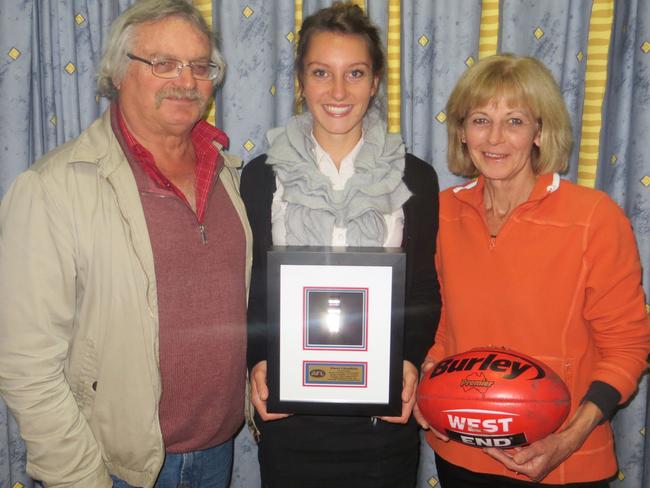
[[427, 366], [409, 385], [260, 393]]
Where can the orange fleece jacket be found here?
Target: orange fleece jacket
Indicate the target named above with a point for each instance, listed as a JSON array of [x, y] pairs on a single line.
[[562, 283]]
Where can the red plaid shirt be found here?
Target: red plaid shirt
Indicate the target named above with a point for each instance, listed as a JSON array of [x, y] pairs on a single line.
[[207, 160]]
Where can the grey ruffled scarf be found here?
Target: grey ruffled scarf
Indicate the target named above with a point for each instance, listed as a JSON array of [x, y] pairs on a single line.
[[314, 207]]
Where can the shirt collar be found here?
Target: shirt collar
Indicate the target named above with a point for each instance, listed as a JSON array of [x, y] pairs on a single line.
[[472, 192], [207, 141], [326, 164]]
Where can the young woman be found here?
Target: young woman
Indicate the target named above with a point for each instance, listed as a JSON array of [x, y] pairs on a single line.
[[334, 176]]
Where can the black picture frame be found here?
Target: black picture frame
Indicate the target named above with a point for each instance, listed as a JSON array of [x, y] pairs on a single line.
[[326, 393]]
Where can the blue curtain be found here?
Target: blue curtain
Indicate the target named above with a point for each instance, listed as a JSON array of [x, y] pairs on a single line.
[[624, 173], [565, 26], [258, 90], [49, 52], [437, 40]]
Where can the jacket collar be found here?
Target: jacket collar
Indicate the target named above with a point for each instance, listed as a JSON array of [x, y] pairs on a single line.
[[98, 145], [472, 192]]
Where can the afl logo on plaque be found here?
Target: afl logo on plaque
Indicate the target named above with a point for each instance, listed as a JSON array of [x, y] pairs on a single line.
[[317, 373]]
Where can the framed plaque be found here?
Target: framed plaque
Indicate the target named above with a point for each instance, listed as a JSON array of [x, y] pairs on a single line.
[[335, 330]]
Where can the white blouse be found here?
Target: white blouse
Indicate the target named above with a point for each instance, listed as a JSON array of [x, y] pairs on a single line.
[[394, 221]]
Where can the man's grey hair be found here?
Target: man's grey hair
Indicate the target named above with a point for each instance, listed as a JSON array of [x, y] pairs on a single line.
[[114, 62]]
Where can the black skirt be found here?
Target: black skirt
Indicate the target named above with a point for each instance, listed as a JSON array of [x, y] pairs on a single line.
[[304, 451]]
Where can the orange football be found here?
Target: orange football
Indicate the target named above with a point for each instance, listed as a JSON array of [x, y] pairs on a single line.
[[493, 397]]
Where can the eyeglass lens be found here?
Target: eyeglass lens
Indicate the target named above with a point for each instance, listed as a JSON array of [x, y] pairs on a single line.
[[171, 68]]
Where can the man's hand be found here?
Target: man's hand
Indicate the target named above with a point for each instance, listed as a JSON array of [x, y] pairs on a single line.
[[260, 393]]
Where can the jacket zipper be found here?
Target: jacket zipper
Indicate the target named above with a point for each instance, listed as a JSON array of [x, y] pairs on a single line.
[[202, 231], [201, 227], [492, 239]]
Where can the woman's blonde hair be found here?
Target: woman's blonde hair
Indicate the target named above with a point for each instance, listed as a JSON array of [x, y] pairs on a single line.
[[519, 80]]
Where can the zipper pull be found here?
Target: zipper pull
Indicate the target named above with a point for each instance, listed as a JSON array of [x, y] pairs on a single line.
[[204, 238]]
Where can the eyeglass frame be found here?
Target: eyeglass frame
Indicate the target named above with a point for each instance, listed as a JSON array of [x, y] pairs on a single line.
[[180, 66]]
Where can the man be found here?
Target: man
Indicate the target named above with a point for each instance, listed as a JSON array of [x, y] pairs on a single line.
[[124, 268]]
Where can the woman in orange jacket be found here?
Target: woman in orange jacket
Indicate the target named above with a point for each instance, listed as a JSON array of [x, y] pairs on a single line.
[[537, 264]]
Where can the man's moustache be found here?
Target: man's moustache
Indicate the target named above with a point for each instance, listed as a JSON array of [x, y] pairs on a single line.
[[175, 93]]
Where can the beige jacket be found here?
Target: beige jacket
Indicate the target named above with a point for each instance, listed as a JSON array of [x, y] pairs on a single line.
[[79, 316]]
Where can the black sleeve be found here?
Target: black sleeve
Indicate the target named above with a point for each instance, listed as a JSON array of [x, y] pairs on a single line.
[[422, 307], [257, 188], [605, 397]]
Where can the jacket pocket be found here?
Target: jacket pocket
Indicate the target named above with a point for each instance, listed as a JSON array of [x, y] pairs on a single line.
[[563, 367], [83, 377]]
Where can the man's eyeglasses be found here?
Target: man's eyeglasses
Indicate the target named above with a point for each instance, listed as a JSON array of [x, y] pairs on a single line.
[[172, 68]]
